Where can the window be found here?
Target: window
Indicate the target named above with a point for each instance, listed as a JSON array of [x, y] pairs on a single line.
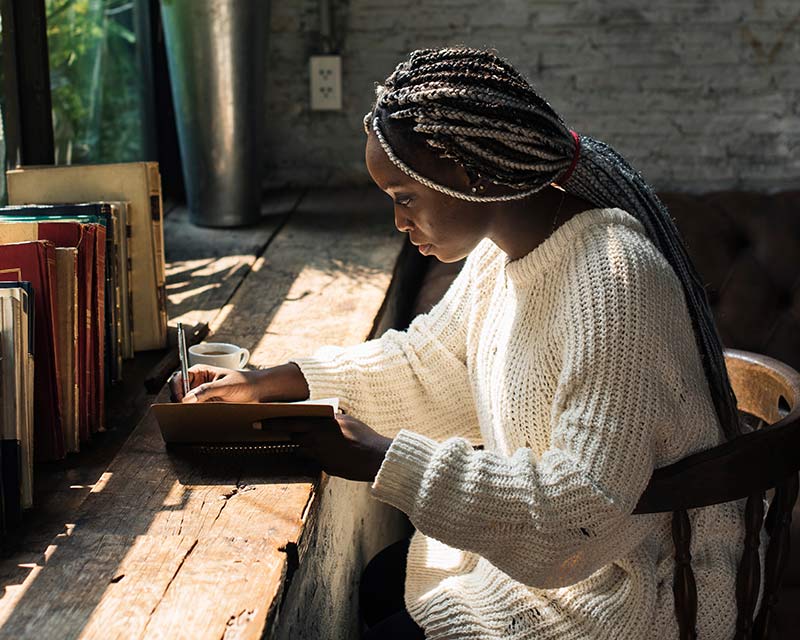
[[97, 80]]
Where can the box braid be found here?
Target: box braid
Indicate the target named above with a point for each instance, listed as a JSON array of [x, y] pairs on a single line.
[[476, 109]]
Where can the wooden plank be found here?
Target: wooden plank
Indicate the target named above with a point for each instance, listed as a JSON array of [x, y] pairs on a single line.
[[89, 574], [189, 546], [195, 257], [195, 606], [322, 282], [205, 266]]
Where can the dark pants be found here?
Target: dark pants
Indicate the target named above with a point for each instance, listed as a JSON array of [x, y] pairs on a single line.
[[381, 597]]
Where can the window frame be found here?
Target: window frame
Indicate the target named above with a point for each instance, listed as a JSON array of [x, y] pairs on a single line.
[[28, 100]]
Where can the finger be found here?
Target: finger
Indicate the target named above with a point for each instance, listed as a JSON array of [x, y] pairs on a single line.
[[219, 375], [175, 384], [200, 373], [200, 368], [204, 393], [175, 381]]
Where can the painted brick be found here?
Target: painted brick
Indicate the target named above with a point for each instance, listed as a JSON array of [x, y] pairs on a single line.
[[696, 94]]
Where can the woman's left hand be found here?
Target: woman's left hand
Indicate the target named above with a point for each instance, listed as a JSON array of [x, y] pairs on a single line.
[[344, 447]]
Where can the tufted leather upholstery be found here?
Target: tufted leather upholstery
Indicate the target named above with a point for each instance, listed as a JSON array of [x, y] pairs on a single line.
[[747, 248]]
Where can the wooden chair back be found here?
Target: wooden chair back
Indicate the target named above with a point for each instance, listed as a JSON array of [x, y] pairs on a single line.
[[747, 467]]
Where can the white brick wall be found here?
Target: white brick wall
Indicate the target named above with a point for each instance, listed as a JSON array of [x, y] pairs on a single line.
[[698, 95]]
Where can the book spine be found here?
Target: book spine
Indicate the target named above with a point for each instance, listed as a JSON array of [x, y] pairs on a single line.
[[27, 444], [102, 279], [76, 438], [157, 226], [85, 303], [55, 449], [113, 303], [129, 291]]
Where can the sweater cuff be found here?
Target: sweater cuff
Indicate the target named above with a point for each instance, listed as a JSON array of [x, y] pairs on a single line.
[[322, 377], [400, 477]]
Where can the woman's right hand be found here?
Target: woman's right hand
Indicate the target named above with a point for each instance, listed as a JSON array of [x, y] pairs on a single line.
[[207, 383]]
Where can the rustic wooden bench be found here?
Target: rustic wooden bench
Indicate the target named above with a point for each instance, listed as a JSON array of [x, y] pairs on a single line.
[[234, 546]]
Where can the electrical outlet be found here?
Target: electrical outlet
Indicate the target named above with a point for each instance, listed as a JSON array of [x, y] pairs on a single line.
[[326, 83]]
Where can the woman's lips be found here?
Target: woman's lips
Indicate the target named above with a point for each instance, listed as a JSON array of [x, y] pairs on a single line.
[[424, 248]]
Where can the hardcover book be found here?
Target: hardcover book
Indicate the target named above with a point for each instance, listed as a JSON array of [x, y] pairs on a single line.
[[83, 237], [104, 214], [23, 291], [122, 238], [35, 262], [138, 184], [13, 320], [67, 321]]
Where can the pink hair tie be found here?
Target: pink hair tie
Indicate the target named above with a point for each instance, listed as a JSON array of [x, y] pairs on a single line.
[[569, 171]]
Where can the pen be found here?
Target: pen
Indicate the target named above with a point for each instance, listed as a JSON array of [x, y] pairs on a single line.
[[183, 358]]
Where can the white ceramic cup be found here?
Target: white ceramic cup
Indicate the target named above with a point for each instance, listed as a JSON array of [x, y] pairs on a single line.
[[218, 354]]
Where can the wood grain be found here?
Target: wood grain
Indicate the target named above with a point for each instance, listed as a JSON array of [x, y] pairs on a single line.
[[185, 545], [322, 281], [206, 266]]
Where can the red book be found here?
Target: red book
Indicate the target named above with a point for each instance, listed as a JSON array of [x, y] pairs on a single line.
[[36, 263], [93, 248], [75, 234]]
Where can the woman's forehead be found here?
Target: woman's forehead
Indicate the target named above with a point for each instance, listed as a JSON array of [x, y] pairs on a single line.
[[381, 168], [423, 159]]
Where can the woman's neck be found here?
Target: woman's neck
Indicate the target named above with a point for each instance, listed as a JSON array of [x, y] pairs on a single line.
[[519, 226]]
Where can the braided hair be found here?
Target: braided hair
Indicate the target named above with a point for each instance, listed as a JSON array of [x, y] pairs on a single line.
[[473, 107]]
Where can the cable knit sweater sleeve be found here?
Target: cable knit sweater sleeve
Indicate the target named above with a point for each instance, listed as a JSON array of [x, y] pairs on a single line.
[[395, 381], [554, 520]]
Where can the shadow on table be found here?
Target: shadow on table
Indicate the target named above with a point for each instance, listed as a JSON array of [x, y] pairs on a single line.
[[140, 519]]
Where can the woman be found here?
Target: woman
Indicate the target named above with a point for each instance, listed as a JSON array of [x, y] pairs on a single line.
[[576, 345]]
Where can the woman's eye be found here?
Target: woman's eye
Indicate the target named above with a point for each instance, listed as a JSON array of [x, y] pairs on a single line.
[[403, 201]]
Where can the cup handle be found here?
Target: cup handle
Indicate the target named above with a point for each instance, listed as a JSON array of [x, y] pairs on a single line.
[[244, 356]]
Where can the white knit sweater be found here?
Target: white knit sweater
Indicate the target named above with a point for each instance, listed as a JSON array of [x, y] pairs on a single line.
[[576, 368]]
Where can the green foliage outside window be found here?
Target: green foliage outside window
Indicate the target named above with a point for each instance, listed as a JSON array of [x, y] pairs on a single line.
[[95, 81]]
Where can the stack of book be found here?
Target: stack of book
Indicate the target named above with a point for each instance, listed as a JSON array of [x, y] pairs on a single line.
[[81, 289]]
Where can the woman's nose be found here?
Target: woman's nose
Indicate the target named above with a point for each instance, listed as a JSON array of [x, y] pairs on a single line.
[[402, 222]]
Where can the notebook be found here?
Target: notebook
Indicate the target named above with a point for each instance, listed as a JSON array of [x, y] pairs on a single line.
[[225, 423]]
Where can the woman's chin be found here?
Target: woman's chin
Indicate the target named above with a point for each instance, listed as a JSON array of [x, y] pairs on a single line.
[[431, 250], [442, 255]]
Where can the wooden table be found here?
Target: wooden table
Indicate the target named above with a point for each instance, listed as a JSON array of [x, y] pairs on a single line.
[[168, 546]]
